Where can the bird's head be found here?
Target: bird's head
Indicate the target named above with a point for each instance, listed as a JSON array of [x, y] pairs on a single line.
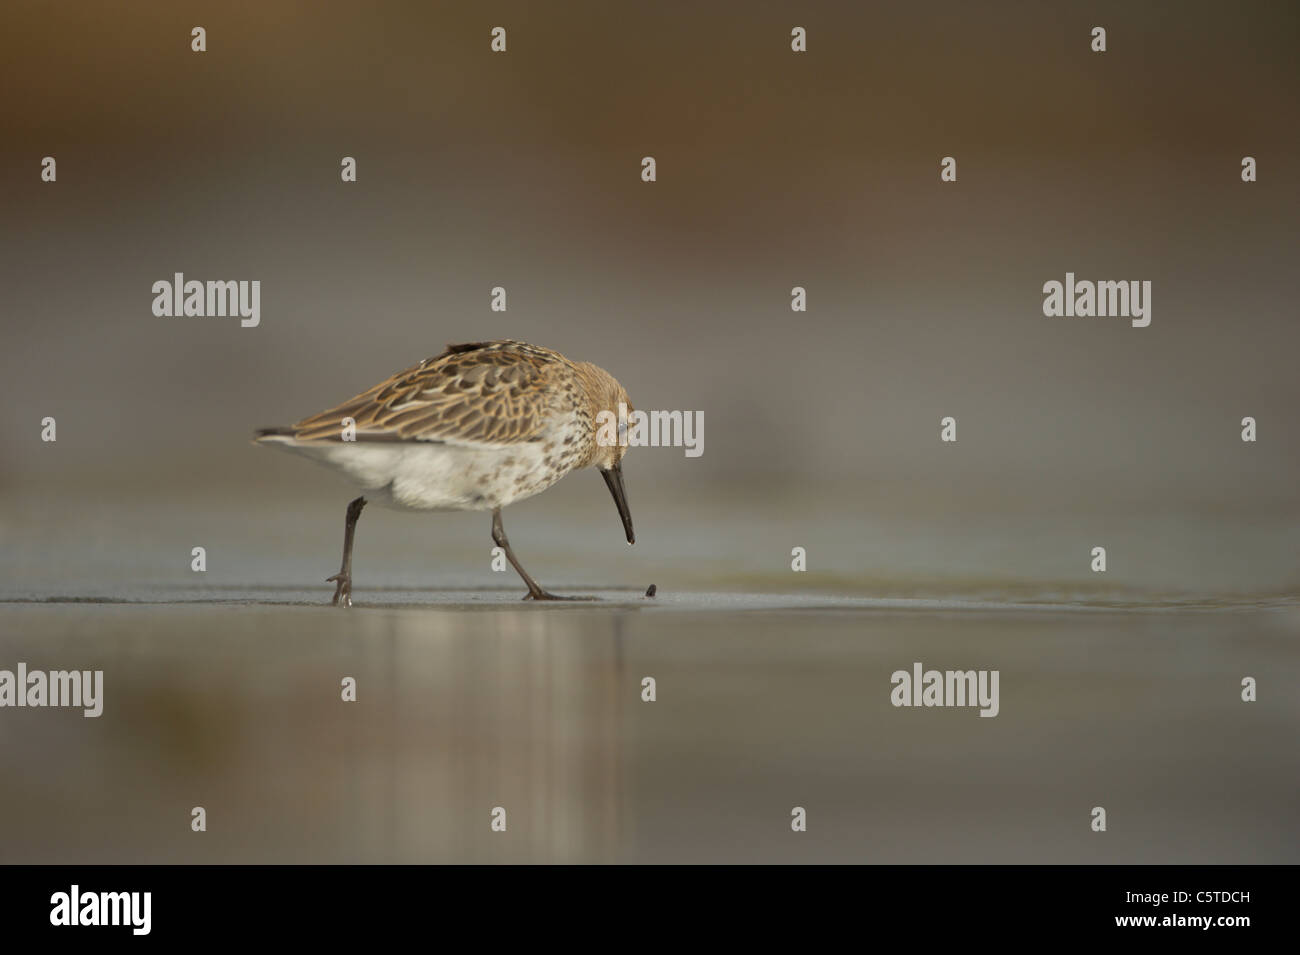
[[611, 408]]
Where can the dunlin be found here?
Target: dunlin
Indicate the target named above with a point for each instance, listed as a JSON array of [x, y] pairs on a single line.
[[473, 429]]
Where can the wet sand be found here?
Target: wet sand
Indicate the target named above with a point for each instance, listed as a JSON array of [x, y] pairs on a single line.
[[472, 700]]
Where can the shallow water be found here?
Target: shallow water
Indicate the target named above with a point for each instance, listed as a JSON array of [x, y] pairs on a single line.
[[222, 688], [475, 700]]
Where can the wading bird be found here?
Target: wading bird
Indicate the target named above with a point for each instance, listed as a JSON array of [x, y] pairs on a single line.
[[473, 429]]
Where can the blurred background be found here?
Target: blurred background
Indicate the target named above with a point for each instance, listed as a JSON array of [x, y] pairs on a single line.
[[775, 169]]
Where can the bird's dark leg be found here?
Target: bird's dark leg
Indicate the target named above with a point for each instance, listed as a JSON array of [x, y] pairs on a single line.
[[343, 579], [534, 591]]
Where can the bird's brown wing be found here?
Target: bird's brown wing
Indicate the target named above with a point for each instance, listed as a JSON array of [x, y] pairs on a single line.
[[483, 393]]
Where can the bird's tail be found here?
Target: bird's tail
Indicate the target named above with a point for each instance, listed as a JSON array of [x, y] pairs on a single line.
[[274, 436]]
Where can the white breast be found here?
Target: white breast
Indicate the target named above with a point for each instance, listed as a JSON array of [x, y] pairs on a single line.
[[423, 476]]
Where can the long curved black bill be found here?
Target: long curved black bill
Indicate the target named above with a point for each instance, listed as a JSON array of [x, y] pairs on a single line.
[[614, 481]]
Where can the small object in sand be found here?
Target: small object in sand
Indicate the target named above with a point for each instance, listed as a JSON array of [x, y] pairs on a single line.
[[651, 590]]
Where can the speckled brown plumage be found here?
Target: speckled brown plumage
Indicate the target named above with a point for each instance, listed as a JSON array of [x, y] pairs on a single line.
[[478, 394], [474, 428]]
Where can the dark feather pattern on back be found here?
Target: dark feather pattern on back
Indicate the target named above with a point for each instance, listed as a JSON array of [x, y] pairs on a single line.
[[480, 393]]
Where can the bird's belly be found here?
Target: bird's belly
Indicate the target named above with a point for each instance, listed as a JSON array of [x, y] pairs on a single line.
[[440, 477]]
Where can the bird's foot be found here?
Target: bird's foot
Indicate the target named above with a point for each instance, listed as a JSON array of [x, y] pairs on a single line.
[[342, 589], [540, 594]]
